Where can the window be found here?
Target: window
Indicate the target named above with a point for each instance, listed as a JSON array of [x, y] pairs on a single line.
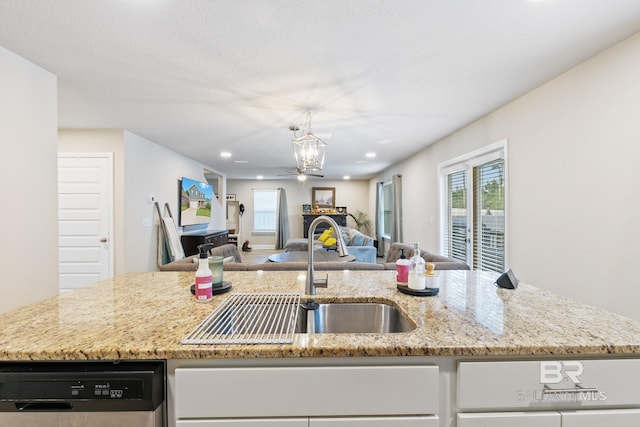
[[265, 205], [488, 223], [387, 208], [473, 208], [456, 233]]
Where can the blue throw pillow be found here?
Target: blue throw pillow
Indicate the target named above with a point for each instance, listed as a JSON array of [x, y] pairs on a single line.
[[345, 239], [358, 239]]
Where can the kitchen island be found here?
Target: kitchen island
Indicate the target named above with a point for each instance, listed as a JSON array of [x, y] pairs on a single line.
[[147, 315]]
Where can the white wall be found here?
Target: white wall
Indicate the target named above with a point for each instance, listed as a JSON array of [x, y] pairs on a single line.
[[28, 162], [352, 193], [574, 146], [151, 169]]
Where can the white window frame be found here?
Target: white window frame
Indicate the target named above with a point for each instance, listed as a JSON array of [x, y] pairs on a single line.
[[257, 230], [467, 162]]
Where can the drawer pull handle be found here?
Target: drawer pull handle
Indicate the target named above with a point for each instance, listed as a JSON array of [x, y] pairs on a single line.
[[578, 389]]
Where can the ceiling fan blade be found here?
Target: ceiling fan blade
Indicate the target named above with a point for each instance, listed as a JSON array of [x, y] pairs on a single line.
[[324, 135], [300, 172]]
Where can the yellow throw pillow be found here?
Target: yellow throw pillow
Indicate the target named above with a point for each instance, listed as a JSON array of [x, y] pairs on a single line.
[[331, 241], [326, 234]]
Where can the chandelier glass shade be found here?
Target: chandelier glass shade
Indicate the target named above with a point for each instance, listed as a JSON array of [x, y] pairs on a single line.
[[309, 150]]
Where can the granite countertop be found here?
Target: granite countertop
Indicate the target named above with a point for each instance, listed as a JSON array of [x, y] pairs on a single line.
[[146, 316]]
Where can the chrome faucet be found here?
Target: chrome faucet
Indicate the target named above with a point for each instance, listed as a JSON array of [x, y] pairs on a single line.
[[312, 282]]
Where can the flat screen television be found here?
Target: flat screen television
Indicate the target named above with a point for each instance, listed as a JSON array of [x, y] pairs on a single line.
[[195, 202]]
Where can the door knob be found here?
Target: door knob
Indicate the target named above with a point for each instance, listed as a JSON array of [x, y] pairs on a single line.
[[103, 240]]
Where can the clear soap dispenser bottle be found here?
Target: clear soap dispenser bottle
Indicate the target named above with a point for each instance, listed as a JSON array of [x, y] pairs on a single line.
[[417, 264]]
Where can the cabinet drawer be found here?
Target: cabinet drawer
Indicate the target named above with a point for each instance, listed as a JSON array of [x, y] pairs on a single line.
[[521, 385], [271, 422], [313, 391], [510, 419], [428, 421], [605, 417]]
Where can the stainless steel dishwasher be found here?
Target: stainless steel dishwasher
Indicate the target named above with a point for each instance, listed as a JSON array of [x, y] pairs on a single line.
[[97, 394]]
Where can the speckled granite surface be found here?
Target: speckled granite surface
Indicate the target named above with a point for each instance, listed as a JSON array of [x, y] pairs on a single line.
[[146, 315]]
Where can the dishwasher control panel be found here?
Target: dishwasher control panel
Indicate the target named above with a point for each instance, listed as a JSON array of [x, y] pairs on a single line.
[[58, 389], [82, 386], [125, 389]]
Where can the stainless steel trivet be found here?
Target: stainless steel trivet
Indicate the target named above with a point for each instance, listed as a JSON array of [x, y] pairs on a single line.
[[259, 318]]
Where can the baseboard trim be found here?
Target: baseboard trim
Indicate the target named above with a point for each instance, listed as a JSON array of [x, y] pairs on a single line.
[[262, 246]]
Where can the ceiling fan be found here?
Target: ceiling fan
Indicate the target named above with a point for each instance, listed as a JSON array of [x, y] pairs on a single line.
[[301, 174]]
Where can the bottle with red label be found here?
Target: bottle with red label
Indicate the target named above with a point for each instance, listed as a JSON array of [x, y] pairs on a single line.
[[204, 280]]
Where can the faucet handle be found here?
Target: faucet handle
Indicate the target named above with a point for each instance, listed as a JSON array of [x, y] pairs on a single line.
[[321, 283]]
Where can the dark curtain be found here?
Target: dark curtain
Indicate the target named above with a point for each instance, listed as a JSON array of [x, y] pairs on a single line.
[[282, 226], [379, 219]]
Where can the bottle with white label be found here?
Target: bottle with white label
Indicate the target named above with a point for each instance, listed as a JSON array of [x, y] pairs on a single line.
[[204, 279], [416, 269]]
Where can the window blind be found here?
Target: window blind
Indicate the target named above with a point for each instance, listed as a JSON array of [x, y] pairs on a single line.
[[489, 216], [456, 211]]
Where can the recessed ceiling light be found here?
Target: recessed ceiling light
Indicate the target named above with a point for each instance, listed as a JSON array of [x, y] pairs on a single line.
[[241, 161], [259, 177], [346, 177], [370, 155], [225, 154]]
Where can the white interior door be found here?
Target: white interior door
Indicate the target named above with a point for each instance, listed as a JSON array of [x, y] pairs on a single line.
[[85, 219]]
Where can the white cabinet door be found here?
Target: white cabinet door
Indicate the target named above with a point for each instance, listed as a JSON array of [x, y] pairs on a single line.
[[428, 421], [588, 418], [510, 419], [548, 384], [306, 391], [272, 422], [612, 417]]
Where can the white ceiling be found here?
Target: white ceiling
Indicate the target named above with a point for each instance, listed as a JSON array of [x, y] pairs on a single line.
[[388, 76]]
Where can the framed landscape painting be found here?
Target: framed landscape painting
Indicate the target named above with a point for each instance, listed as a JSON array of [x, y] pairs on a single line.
[[323, 197]]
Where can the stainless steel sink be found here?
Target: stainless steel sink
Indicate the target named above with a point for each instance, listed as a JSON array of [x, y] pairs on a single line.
[[353, 318], [264, 318]]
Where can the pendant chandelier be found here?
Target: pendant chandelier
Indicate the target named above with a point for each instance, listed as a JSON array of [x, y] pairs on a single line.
[[308, 149]]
